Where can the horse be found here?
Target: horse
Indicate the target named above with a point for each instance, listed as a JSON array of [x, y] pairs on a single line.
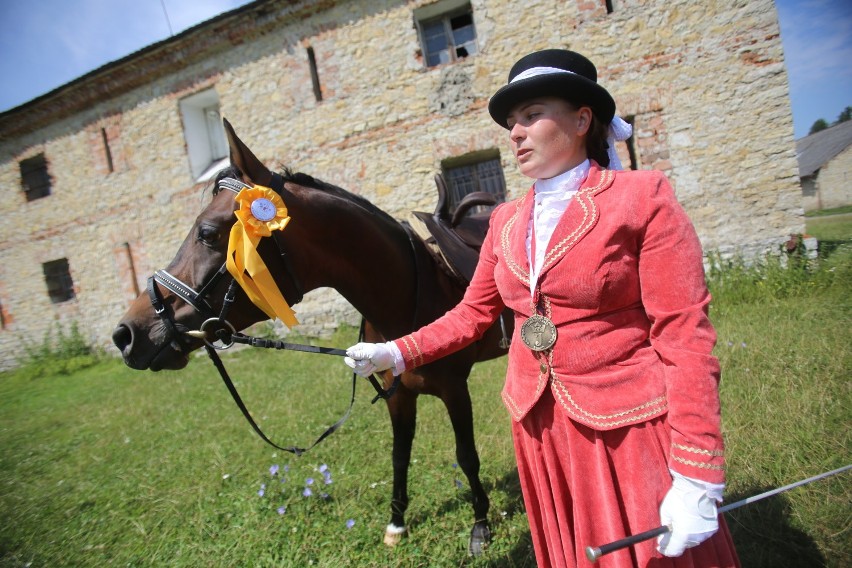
[[339, 240]]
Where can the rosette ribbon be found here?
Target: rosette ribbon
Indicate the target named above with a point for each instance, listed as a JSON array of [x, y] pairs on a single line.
[[261, 212]]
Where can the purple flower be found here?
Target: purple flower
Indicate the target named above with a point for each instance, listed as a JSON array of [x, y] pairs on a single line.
[[458, 484], [307, 492], [262, 489], [327, 477], [273, 470], [309, 481], [324, 495], [323, 468], [455, 465], [282, 509], [350, 523]]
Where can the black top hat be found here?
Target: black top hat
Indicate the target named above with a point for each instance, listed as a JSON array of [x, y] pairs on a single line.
[[552, 73]]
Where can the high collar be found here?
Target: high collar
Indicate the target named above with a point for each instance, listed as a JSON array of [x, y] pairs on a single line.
[[566, 181]]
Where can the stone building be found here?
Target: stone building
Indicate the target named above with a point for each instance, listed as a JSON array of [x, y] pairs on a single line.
[[825, 167], [103, 176]]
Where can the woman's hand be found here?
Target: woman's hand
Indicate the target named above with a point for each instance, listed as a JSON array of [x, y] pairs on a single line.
[[689, 510], [368, 358]]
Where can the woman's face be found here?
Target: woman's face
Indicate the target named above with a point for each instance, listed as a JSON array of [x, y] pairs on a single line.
[[548, 136]]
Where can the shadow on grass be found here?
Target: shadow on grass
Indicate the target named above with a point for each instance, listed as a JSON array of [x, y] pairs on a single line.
[[764, 536], [520, 555]]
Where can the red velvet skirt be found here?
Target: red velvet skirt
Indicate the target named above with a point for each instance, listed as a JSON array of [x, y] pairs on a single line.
[[584, 487]]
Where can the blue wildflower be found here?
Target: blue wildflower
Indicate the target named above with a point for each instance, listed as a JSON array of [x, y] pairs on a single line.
[[282, 509], [350, 523], [273, 470], [262, 490], [309, 481], [307, 492]]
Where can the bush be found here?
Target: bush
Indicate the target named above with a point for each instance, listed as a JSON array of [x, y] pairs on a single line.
[[63, 354], [777, 277]]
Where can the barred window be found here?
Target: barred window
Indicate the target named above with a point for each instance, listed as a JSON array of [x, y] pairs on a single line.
[[57, 275], [477, 171], [35, 179]]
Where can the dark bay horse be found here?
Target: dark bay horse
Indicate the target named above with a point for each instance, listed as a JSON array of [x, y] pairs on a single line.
[[339, 240]]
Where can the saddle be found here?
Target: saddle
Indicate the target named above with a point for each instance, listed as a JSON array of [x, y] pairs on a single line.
[[453, 237]]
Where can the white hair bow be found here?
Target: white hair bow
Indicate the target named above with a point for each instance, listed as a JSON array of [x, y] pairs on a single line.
[[619, 130]]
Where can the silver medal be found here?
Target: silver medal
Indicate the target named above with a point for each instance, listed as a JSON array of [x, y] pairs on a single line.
[[538, 333]]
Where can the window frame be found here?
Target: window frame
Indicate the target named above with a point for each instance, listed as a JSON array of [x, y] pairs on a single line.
[[206, 143], [444, 12]]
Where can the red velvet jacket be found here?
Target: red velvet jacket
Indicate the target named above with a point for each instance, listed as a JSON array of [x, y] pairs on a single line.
[[623, 281]]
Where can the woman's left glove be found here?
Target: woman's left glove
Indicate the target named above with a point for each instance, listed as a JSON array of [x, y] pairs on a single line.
[[368, 358], [689, 509]]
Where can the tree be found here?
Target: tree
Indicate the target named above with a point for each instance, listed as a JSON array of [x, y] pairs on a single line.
[[845, 115], [820, 124]]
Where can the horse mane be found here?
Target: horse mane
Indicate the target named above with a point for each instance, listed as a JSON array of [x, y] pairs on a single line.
[[307, 180]]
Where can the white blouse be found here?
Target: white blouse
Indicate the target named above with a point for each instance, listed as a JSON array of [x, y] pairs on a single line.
[[552, 197]]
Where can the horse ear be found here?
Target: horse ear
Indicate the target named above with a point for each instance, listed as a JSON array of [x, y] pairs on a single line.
[[244, 159]]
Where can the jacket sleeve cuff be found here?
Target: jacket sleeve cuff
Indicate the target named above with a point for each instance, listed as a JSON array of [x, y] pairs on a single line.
[[398, 361]]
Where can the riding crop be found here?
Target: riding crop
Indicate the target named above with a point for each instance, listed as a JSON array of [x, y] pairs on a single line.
[[593, 553]]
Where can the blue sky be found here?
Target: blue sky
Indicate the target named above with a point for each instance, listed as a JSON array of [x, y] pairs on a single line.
[[47, 43]]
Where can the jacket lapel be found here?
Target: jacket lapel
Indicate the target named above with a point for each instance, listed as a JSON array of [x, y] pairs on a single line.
[[513, 236], [579, 218]]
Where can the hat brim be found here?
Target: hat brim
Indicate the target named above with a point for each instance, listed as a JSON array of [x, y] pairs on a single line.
[[569, 86]]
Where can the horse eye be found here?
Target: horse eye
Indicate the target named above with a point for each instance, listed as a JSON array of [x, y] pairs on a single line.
[[208, 235]]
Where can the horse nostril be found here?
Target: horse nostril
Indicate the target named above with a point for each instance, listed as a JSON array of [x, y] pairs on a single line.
[[122, 336]]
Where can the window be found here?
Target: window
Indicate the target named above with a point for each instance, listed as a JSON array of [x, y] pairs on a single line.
[[477, 171], [110, 167], [206, 145], [35, 179], [312, 62], [447, 32], [60, 287]]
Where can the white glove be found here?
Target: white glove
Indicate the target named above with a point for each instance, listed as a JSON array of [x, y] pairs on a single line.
[[689, 509], [368, 358]]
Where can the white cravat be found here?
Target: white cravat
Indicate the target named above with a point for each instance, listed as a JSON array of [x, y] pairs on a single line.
[[552, 197]]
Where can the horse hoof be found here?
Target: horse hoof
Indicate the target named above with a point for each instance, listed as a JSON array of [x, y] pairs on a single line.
[[480, 537], [393, 535]]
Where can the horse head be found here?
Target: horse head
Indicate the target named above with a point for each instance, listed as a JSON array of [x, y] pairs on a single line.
[[151, 340]]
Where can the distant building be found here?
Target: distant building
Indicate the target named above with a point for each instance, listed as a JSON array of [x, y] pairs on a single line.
[[103, 176], [825, 167]]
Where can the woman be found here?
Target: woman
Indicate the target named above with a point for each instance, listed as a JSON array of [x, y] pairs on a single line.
[[611, 382]]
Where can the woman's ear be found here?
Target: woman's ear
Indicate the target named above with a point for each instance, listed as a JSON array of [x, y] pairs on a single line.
[[584, 120]]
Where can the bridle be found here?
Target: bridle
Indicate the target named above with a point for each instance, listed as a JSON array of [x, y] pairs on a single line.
[[225, 333]]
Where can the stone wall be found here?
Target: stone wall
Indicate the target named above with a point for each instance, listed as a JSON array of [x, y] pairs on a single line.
[[705, 84], [833, 181]]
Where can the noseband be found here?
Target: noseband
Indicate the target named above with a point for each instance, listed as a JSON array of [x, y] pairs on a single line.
[[226, 334]]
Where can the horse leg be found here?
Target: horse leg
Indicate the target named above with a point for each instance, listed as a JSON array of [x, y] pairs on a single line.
[[460, 409], [402, 407]]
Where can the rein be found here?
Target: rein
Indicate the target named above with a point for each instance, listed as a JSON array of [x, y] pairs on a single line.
[[225, 333]]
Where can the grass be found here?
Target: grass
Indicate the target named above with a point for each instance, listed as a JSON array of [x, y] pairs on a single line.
[[105, 466]]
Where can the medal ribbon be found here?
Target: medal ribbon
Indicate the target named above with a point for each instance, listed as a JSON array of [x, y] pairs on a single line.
[[261, 211]]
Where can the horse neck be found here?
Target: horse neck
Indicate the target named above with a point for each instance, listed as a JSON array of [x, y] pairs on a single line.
[[367, 258]]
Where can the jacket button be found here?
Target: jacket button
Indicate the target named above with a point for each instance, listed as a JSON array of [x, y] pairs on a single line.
[[543, 368]]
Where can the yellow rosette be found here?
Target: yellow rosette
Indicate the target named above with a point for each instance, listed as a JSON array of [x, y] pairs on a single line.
[[261, 212]]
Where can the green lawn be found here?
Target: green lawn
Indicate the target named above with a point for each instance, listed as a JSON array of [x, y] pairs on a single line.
[[106, 466]]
